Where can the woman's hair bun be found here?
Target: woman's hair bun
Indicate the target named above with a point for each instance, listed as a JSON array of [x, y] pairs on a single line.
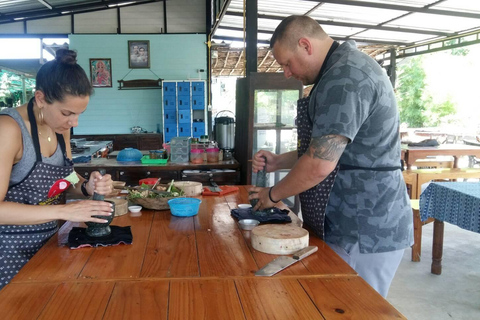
[[66, 56]]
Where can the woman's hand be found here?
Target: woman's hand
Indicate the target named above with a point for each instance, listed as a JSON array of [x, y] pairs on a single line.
[[102, 185], [83, 211], [259, 161]]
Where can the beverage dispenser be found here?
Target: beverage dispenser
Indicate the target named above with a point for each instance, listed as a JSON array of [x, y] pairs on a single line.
[[224, 130]]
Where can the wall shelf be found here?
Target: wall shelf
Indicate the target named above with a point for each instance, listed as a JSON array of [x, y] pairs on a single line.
[[140, 84]]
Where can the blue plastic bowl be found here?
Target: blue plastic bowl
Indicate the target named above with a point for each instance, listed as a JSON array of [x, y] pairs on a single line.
[[129, 154], [184, 207]]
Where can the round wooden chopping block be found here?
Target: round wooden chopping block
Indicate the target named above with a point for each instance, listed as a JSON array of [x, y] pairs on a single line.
[[279, 238], [121, 206], [191, 188]]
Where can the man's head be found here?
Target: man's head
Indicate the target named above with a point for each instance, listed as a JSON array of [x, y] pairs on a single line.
[[300, 45]]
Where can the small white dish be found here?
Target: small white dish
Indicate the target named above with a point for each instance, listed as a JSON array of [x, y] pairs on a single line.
[[248, 224], [244, 205], [134, 209]]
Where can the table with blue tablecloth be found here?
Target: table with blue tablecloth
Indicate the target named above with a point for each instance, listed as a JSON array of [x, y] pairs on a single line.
[[457, 203]]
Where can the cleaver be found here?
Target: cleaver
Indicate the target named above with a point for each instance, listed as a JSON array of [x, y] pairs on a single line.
[[214, 187], [283, 262]]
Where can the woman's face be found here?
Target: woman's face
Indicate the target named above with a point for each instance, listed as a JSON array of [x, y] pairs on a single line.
[[100, 67], [61, 116]]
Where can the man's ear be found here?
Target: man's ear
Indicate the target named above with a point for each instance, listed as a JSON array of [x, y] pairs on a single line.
[[305, 45]]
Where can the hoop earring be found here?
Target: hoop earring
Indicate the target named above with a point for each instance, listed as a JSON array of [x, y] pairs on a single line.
[[40, 115]]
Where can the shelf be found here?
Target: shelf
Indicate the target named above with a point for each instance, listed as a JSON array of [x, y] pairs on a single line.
[[139, 84]]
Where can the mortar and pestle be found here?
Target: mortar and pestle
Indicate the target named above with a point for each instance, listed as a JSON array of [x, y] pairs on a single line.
[[95, 229], [261, 181]]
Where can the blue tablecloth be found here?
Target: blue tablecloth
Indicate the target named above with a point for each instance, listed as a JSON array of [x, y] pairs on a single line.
[[457, 203]]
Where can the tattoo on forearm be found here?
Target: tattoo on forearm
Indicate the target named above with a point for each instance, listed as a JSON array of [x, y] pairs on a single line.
[[327, 147]]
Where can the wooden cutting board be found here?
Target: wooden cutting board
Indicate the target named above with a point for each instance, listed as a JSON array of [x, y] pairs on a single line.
[[279, 238]]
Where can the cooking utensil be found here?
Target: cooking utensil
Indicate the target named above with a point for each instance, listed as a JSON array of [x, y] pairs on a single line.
[[214, 187], [283, 262], [95, 229], [155, 184]]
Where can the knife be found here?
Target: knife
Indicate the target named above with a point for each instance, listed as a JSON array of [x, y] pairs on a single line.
[[283, 262], [214, 187]]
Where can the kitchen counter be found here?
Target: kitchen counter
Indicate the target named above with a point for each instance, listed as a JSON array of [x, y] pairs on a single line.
[[222, 172], [93, 148], [199, 267]]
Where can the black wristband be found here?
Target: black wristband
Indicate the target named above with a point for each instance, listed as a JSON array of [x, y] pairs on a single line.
[[84, 188], [270, 196]]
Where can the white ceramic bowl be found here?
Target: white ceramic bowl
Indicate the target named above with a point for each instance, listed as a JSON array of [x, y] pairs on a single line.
[[134, 209], [244, 205]]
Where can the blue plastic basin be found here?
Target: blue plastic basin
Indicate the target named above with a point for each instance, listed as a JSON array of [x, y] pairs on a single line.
[[184, 207]]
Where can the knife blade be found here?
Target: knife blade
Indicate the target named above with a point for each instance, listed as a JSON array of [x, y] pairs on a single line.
[[283, 262], [214, 187]]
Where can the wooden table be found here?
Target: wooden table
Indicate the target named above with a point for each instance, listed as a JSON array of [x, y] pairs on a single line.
[[456, 150], [198, 267], [457, 203]]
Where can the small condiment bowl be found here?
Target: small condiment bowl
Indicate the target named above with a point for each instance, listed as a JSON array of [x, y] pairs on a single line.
[[134, 209], [248, 224], [244, 205]]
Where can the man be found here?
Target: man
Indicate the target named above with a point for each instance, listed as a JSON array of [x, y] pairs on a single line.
[[349, 125]]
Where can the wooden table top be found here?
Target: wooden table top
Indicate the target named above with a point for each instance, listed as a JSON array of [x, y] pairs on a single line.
[[412, 154], [199, 267]]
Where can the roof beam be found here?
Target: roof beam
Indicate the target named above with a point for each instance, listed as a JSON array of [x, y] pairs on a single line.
[[267, 42], [57, 11], [353, 25], [380, 5]]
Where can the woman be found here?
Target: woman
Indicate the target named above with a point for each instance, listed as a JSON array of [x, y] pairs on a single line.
[[36, 166]]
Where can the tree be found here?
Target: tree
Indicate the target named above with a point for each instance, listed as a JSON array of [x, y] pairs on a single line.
[[409, 92], [416, 105]]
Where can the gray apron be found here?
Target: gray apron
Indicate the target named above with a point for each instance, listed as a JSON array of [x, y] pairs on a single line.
[[18, 243]]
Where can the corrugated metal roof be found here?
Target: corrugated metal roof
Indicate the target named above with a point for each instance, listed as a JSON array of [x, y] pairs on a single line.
[[408, 26], [397, 22], [13, 10]]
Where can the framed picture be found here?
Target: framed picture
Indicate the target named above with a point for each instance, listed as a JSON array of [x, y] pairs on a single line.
[[101, 72], [139, 54]]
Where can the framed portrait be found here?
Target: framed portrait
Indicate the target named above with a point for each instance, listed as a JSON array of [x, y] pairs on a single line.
[[101, 72], [139, 54]]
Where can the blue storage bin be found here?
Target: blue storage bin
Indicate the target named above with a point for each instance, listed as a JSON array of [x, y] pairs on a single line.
[[198, 88], [169, 116], [170, 129], [183, 102], [184, 130], [184, 116], [169, 88], [169, 102], [198, 103], [183, 88], [198, 129]]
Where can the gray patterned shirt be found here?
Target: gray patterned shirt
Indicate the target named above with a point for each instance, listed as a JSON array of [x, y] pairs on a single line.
[[355, 99]]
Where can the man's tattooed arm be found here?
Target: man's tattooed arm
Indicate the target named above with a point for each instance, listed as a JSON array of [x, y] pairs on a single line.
[[328, 148]]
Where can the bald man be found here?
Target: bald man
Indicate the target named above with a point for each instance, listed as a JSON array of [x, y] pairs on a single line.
[[347, 167]]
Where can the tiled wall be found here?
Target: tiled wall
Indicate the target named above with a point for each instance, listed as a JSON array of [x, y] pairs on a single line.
[[112, 111]]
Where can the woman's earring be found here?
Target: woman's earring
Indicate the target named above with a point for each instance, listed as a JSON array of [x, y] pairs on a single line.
[[41, 116]]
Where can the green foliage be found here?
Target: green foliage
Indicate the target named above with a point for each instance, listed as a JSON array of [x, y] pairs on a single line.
[[410, 87], [416, 106], [457, 51]]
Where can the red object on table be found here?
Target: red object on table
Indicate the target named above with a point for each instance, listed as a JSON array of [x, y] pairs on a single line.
[[225, 190], [147, 181]]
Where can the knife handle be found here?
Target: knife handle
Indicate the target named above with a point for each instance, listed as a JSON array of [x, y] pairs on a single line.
[[305, 252]]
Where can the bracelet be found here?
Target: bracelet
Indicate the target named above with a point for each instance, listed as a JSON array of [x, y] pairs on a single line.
[[270, 196], [84, 188]]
